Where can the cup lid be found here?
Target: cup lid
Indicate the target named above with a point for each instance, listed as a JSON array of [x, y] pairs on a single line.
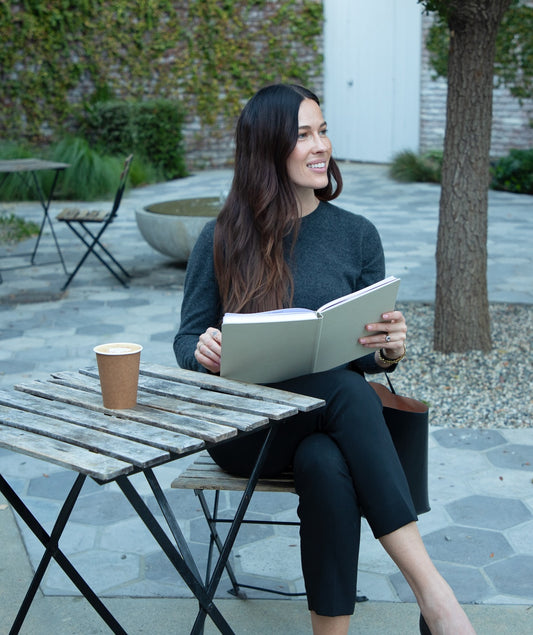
[[117, 348]]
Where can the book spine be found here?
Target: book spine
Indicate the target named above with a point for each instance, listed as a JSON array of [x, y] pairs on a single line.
[[320, 321]]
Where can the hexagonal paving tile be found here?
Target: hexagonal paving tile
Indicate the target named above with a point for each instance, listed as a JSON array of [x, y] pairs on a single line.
[[267, 502], [130, 536], [513, 456], [119, 569], [102, 508], [199, 529], [275, 557], [475, 547], [100, 329], [184, 504], [488, 512], [513, 576], [57, 485], [468, 439], [159, 568], [520, 538]]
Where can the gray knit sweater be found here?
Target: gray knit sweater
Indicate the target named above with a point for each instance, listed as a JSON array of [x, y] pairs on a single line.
[[337, 252]]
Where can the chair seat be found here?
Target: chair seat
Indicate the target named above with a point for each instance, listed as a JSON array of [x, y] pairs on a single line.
[[82, 215], [205, 474]]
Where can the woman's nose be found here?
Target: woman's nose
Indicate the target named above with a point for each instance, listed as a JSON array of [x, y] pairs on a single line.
[[321, 143]]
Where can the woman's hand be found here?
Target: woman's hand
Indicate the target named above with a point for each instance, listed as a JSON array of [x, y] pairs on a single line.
[[389, 336], [209, 349]]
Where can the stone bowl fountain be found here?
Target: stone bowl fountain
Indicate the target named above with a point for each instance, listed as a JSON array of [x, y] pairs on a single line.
[[173, 227]]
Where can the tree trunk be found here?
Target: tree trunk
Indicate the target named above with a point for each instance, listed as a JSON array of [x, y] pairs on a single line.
[[462, 319]]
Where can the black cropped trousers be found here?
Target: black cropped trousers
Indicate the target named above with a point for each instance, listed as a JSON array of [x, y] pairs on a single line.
[[345, 465]]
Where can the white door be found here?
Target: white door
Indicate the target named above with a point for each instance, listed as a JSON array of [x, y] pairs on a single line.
[[372, 52]]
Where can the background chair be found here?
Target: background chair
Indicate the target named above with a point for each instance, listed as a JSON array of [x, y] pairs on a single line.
[[79, 221]]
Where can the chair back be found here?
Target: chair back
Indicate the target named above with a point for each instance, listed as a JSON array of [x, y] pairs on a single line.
[[121, 187]]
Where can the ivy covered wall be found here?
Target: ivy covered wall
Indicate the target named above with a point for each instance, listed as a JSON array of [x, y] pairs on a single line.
[[57, 57]]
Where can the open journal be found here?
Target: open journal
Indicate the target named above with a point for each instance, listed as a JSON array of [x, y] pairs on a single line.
[[276, 345]]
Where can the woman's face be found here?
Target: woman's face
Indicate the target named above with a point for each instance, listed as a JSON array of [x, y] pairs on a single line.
[[307, 165]]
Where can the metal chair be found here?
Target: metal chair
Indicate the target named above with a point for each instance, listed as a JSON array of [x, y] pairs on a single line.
[[79, 221]]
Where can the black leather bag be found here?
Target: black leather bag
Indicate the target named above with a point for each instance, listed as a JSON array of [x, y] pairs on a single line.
[[408, 423]]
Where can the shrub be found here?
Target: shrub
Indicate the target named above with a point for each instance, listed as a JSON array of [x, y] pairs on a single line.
[[409, 167], [151, 129], [514, 172]]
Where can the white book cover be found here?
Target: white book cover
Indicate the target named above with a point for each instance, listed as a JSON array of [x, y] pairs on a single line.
[[272, 346]]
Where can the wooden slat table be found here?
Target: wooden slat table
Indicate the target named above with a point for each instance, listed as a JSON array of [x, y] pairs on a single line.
[[178, 413]]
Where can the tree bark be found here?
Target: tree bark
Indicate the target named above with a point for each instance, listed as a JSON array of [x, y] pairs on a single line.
[[462, 319]]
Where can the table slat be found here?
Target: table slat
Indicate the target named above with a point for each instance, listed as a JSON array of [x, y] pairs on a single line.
[[243, 421], [156, 437], [201, 396], [30, 165], [140, 455], [92, 401], [304, 403], [100, 467]]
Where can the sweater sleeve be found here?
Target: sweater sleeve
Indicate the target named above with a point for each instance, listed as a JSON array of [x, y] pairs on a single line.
[[373, 270], [201, 306], [373, 259]]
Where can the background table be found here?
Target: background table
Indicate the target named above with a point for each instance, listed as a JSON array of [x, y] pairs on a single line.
[[22, 167], [178, 413]]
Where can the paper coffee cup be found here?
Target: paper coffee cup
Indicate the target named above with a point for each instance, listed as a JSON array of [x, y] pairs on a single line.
[[118, 367]]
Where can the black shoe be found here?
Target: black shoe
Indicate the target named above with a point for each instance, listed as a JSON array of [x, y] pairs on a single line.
[[424, 628]]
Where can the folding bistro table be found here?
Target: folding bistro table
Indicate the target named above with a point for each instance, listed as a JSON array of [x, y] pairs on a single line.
[[25, 167], [178, 413]]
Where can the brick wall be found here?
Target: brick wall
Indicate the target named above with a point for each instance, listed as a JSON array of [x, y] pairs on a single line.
[[212, 146], [510, 124]]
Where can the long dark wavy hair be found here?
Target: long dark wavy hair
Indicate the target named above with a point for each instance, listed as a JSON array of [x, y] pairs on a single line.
[[261, 208]]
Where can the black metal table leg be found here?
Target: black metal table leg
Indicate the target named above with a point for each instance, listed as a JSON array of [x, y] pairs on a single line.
[[194, 583], [51, 544], [212, 583], [175, 529], [46, 217]]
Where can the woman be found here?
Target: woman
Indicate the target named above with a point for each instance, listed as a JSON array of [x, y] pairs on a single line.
[[278, 242]]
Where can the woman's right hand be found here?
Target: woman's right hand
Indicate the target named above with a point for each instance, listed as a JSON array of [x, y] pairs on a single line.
[[209, 349]]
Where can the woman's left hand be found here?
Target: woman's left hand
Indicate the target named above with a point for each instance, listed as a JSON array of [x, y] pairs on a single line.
[[389, 335], [209, 349]]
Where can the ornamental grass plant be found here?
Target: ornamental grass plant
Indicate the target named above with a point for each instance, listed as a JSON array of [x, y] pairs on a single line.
[[91, 175], [409, 167]]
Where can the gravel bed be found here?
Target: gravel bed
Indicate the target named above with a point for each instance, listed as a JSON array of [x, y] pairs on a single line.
[[473, 389]]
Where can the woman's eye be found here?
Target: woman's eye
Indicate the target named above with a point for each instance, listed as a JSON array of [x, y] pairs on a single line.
[[324, 133]]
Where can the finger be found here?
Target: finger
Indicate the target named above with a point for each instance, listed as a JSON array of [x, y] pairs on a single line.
[[212, 365], [394, 316], [215, 343], [206, 352]]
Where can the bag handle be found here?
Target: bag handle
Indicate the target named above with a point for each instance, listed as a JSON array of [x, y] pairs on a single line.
[[390, 383]]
